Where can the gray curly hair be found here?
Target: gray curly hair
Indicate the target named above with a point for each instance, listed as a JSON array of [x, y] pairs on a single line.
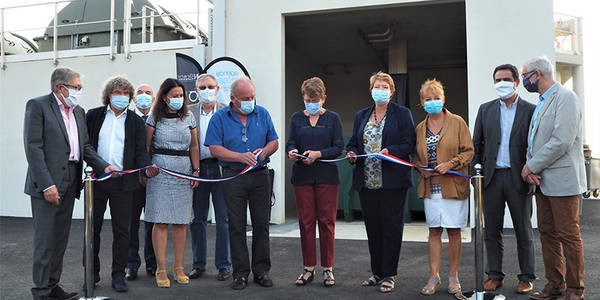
[[113, 83]]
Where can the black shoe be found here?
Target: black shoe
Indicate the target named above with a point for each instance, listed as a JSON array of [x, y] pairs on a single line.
[[131, 274], [60, 294], [263, 280], [151, 271], [119, 285], [223, 275], [196, 273], [239, 283]]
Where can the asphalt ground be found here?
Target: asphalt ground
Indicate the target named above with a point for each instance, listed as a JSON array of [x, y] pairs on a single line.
[[351, 257]]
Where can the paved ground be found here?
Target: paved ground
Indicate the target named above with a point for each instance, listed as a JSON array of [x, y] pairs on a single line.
[[352, 265]]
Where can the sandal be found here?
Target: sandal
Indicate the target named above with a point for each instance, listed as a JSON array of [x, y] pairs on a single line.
[[453, 285], [162, 283], [329, 280], [181, 279], [387, 285], [433, 285], [372, 281], [303, 280]]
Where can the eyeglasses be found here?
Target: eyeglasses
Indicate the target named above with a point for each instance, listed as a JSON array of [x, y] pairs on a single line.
[[75, 87], [311, 100], [210, 87], [526, 75], [244, 137]]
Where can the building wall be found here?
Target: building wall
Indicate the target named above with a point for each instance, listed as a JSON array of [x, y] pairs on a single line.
[[498, 32], [21, 81]]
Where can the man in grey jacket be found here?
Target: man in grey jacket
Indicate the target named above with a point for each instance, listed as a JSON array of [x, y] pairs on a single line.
[[56, 144], [555, 165]]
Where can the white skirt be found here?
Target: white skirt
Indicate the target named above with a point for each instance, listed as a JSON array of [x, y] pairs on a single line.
[[446, 213]]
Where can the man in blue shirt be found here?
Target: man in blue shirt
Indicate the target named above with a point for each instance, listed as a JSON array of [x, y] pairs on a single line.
[[233, 134]]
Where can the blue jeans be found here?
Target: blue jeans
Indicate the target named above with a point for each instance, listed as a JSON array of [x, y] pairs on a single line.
[[210, 169]]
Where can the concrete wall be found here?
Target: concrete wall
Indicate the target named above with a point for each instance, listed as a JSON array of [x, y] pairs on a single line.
[[498, 32], [21, 81]]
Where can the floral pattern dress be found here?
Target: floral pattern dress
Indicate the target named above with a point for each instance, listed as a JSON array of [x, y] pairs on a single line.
[[372, 142]]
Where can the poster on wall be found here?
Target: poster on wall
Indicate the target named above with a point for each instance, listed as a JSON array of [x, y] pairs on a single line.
[[226, 70], [188, 70]]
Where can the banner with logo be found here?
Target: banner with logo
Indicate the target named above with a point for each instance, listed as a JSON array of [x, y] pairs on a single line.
[[226, 70]]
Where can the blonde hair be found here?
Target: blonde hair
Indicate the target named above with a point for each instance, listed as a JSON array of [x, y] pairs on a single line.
[[385, 77], [433, 86], [313, 87]]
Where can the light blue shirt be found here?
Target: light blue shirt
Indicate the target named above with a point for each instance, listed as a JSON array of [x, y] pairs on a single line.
[[507, 117], [538, 108]]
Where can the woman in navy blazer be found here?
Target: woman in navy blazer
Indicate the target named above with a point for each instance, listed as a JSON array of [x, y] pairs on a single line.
[[385, 128]]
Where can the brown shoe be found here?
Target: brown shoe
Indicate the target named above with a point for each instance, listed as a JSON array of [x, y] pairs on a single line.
[[491, 285], [524, 287], [570, 295], [547, 293]]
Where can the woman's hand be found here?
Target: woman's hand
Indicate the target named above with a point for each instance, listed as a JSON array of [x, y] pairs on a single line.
[[151, 171], [351, 156], [444, 167], [384, 151], [312, 156], [292, 155], [195, 183]]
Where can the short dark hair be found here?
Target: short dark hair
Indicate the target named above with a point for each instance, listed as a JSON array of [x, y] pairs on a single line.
[[160, 108], [513, 70]]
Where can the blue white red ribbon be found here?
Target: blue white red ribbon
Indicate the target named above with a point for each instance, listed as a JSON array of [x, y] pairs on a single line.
[[392, 159], [258, 153], [247, 169]]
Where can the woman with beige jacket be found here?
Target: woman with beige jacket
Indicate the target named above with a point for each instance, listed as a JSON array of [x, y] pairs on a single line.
[[443, 143]]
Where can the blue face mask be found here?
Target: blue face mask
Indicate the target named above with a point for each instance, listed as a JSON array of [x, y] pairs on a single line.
[[175, 103], [119, 102], [312, 108], [143, 101], [433, 107], [247, 107], [531, 86], [380, 96]]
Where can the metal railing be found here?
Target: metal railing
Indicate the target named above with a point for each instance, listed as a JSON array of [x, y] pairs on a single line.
[[567, 35], [200, 36]]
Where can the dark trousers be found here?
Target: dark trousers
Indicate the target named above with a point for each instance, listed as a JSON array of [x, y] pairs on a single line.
[[317, 202], [134, 261], [209, 168], [500, 190], [110, 191], [383, 213], [560, 235], [252, 190], [51, 226]]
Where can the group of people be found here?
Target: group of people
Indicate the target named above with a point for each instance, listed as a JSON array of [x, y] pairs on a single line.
[[524, 149]]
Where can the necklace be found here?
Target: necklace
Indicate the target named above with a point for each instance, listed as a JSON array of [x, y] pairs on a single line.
[[375, 116]]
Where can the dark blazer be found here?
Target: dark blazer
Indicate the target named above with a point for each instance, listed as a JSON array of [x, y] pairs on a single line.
[[47, 146], [487, 136], [398, 137], [134, 152]]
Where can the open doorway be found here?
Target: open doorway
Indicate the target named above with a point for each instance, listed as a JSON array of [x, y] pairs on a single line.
[[412, 42]]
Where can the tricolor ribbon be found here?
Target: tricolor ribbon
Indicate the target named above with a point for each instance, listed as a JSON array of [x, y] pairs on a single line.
[[247, 169], [392, 159]]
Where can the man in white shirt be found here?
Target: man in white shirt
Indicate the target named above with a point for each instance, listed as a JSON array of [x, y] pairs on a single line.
[[119, 137]]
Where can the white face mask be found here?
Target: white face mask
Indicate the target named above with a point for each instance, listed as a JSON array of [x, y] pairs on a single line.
[[505, 89], [207, 95], [73, 99]]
